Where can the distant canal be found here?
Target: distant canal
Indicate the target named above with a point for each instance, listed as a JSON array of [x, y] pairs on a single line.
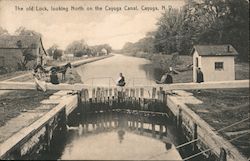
[[106, 71]]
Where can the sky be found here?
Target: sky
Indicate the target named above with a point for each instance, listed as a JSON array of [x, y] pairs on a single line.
[[114, 24]]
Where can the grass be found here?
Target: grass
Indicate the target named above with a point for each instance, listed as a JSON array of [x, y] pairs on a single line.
[[14, 102], [221, 108]]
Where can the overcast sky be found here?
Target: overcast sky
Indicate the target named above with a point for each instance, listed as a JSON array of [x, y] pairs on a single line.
[[95, 27]]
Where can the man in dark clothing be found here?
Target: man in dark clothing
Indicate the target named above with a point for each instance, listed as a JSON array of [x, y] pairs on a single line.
[[165, 79], [54, 77], [169, 79], [121, 81], [199, 76]]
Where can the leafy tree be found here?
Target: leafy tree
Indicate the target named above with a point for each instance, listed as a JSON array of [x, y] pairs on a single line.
[[77, 46], [57, 54], [3, 31], [27, 55], [52, 49], [22, 31], [169, 35], [219, 22], [145, 45], [98, 49]]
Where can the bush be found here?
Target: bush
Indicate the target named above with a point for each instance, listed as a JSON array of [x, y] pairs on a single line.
[[79, 54]]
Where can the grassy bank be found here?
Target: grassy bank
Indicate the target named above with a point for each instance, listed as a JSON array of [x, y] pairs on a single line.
[[221, 108], [182, 63]]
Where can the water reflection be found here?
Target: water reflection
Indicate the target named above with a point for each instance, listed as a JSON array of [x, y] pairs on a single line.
[[106, 146], [121, 134]]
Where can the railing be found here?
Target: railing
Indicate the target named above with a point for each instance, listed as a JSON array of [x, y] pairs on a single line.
[[111, 82]]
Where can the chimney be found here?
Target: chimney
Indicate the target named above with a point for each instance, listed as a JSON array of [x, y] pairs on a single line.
[[228, 48]]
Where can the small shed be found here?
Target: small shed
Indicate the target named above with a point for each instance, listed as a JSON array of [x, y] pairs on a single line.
[[215, 61], [11, 51]]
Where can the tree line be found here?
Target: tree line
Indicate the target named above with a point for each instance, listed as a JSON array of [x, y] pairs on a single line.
[[198, 22], [78, 48]]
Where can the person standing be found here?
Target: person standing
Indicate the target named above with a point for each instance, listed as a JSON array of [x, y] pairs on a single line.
[[200, 77], [53, 77]]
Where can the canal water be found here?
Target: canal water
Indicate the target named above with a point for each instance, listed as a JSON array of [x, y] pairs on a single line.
[[106, 71], [115, 136]]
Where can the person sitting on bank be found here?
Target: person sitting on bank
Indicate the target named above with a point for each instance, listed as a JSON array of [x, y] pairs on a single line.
[[121, 81], [53, 77], [165, 79]]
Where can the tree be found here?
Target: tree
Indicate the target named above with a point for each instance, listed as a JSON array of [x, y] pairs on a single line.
[[27, 55], [169, 35], [99, 49], [77, 46], [204, 22], [52, 49], [3, 31], [79, 54], [220, 22], [57, 54], [22, 31]]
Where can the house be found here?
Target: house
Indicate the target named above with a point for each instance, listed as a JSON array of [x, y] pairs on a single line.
[[11, 48], [215, 61]]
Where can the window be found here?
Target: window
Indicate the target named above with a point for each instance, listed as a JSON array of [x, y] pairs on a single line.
[[218, 66], [197, 62]]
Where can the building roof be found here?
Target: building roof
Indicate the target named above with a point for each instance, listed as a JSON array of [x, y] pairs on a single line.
[[11, 42], [215, 50]]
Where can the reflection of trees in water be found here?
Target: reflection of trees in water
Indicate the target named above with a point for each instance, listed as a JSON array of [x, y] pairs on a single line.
[[152, 71]]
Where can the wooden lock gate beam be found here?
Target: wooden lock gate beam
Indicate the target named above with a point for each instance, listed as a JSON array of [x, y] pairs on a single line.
[[7, 85]]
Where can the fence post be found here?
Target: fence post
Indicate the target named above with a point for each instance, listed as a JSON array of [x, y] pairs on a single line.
[[194, 137], [223, 155], [179, 121], [47, 136]]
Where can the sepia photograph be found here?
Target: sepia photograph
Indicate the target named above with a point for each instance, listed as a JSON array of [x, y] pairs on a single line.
[[124, 80]]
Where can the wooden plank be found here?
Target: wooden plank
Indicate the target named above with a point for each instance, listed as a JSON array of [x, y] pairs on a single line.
[[93, 93], [153, 93], [98, 94], [205, 132], [137, 93], [141, 92], [132, 92], [110, 92], [51, 101], [5, 85]]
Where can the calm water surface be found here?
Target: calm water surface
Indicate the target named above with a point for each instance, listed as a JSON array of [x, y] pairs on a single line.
[[107, 145]]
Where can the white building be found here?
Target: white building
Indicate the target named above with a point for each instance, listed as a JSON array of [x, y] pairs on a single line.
[[216, 62]]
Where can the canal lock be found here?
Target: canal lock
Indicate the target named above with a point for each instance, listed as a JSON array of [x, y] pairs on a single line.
[[119, 112]]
